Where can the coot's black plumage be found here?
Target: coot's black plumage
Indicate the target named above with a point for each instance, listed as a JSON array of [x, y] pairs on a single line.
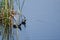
[[19, 26]]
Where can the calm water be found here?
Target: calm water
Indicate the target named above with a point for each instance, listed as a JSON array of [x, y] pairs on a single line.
[[43, 20]]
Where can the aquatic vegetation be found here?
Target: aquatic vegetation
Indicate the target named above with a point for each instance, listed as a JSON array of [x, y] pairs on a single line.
[[6, 16]]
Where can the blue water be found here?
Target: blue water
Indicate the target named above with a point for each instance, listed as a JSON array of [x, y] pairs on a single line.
[[43, 20]]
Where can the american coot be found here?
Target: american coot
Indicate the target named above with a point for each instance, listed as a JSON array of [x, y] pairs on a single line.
[[24, 23], [19, 26]]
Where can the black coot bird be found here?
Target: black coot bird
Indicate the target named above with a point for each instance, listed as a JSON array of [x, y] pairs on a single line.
[[19, 26]]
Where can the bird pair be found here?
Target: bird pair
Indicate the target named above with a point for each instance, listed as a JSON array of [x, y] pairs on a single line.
[[19, 26]]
